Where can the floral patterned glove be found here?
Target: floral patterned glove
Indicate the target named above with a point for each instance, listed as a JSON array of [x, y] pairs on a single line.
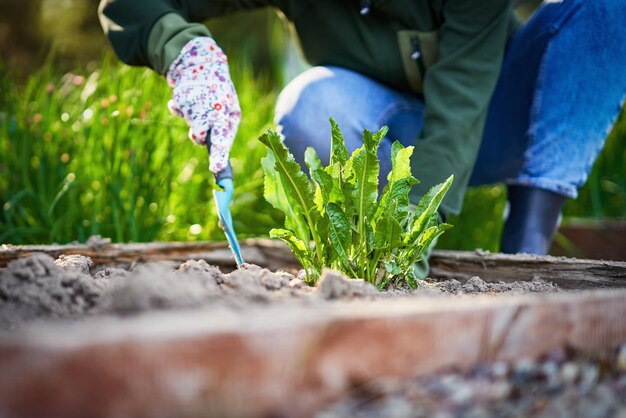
[[205, 97]]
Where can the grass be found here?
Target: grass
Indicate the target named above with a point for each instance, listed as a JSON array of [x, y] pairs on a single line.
[[99, 153]]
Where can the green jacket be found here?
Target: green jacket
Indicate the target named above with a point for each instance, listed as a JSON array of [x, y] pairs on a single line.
[[462, 44]]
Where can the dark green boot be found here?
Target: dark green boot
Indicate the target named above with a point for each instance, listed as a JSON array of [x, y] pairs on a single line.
[[532, 221]]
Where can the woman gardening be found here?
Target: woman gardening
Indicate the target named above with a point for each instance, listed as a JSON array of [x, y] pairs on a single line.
[[477, 93]]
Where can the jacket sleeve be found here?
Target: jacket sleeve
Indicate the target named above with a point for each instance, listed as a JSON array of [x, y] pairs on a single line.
[[457, 92], [153, 32]]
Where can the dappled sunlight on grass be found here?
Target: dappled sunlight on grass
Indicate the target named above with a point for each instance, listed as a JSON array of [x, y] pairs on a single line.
[[100, 154]]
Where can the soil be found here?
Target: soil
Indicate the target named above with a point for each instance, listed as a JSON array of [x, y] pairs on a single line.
[[561, 385], [39, 287]]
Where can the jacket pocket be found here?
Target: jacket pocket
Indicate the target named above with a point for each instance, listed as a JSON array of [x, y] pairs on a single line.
[[419, 53]]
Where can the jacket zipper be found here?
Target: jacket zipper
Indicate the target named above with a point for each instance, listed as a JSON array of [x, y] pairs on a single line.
[[416, 54]]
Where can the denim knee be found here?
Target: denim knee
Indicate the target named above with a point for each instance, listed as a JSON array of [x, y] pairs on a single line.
[[302, 117], [305, 105], [295, 128]]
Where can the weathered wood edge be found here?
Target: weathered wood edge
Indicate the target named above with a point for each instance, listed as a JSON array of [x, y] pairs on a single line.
[[568, 273], [264, 252], [193, 364]]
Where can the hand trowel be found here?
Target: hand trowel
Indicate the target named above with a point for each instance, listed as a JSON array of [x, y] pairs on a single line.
[[222, 198]]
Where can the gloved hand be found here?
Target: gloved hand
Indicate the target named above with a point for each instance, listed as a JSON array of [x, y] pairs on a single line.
[[205, 97]]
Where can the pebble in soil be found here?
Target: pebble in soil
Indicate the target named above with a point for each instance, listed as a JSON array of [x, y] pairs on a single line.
[[567, 387]]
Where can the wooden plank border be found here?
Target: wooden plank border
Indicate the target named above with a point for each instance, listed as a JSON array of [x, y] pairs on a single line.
[[568, 273], [283, 361], [264, 252]]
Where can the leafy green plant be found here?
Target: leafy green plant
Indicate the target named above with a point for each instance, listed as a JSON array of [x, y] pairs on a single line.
[[335, 219]]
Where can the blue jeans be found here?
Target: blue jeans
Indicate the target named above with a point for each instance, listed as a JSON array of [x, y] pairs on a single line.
[[561, 88]]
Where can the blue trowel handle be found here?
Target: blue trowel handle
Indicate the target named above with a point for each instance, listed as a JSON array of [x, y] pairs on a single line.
[[224, 179]]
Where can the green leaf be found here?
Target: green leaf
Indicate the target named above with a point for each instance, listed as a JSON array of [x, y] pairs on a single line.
[[328, 189], [426, 240], [285, 164], [300, 250], [400, 181], [392, 268], [296, 184], [414, 253], [339, 233], [426, 208], [338, 151], [365, 164], [322, 187], [372, 141], [365, 189], [297, 246], [387, 230], [433, 221], [366, 168], [311, 159], [275, 193], [340, 168], [369, 236], [400, 162]]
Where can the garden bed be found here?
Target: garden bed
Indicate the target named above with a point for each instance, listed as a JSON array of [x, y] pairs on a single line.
[[148, 332]]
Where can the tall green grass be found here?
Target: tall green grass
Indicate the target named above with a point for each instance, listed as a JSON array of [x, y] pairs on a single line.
[[99, 153]]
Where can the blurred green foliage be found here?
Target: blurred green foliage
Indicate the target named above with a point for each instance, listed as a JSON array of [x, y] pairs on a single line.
[[100, 154], [29, 30]]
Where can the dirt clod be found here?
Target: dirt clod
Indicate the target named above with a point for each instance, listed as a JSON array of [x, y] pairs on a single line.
[[478, 285], [451, 286], [74, 262], [296, 283], [154, 288], [334, 285], [474, 285], [110, 273], [35, 287], [250, 267], [275, 281], [97, 241], [245, 283], [212, 274]]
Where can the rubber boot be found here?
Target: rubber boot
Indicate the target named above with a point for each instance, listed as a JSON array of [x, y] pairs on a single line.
[[532, 220]]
